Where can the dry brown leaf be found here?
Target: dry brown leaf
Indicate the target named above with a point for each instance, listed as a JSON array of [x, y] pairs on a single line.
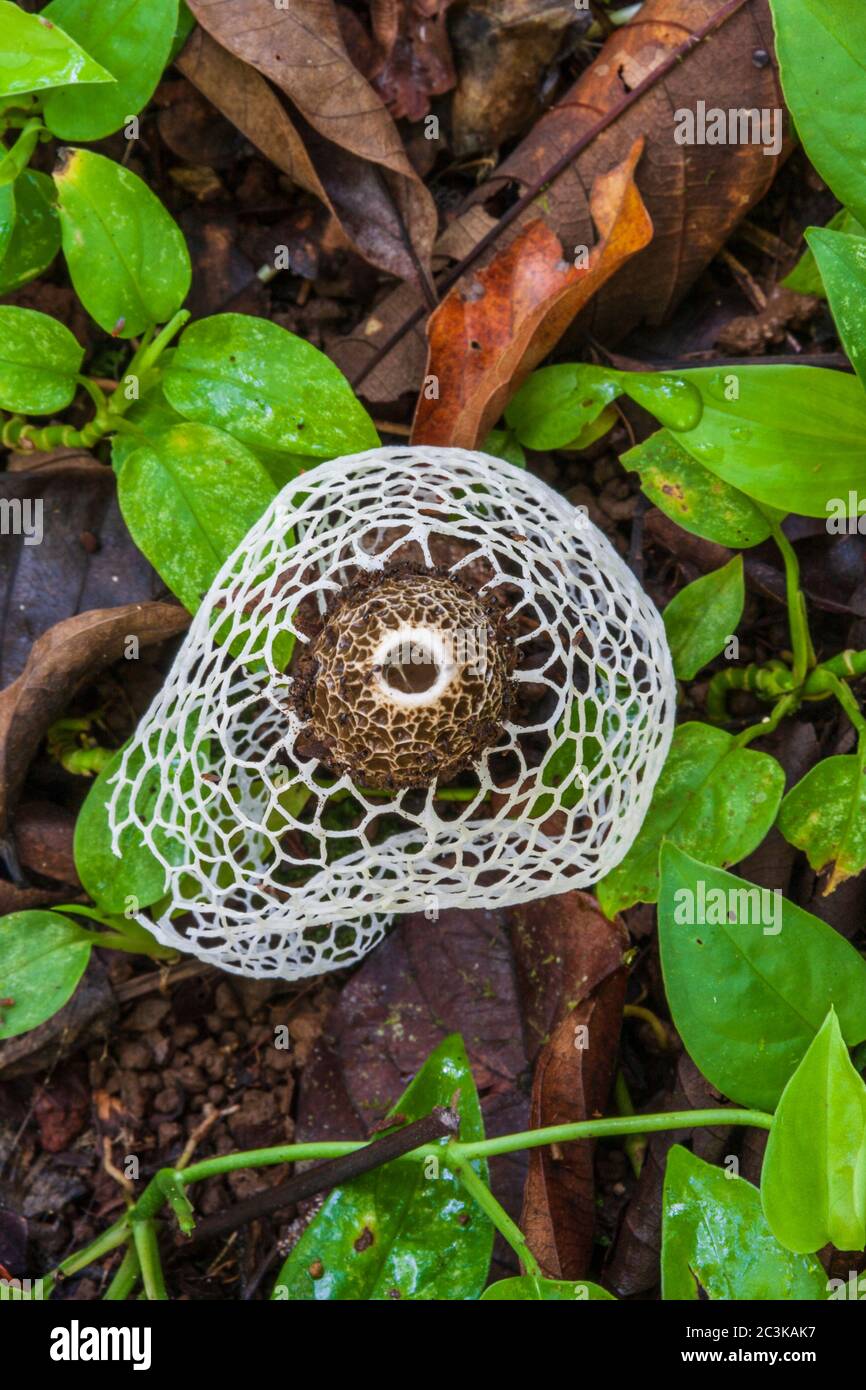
[[62, 660], [574, 1069], [414, 54], [86, 558], [493, 329], [504, 51], [695, 195], [342, 144]]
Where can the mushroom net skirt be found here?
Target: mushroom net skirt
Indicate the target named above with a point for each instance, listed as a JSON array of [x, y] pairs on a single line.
[[276, 866]]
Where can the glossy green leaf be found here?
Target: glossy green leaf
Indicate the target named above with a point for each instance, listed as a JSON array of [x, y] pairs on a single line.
[[716, 1243], [36, 54], [137, 874], [805, 278], [813, 1182], [126, 256], [151, 415], [821, 47], [132, 39], [42, 958], [842, 263], [788, 436], [596, 429], [39, 361], [701, 618], [189, 497], [713, 799], [267, 387], [825, 815], [502, 444], [675, 402], [694, 497], [749, 977], [556, 403], [35, 236], [557, 406], [186, 22], [529, 1289], [404, 1230]]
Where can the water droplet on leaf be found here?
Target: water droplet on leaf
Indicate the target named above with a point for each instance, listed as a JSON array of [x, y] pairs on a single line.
[[676, 404]]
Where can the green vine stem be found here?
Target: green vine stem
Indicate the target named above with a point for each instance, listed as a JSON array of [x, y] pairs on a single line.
[[485, 1199], [125, 1280], [801, 641], [123, 934], [167, 1185], [766, 726], [850, 706], [147, 1250], [14, 161], [17, 432], [634, 1144]]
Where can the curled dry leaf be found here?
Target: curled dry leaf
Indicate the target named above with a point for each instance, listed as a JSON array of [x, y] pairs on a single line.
[[493, 328], [339, 141], [62, 660], [574, 1069], [695, 194]]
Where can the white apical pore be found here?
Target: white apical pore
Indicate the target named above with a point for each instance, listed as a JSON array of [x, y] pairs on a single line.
[[274, 867]]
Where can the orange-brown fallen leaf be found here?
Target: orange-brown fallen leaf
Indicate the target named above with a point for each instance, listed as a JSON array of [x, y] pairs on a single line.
[[487, 335]]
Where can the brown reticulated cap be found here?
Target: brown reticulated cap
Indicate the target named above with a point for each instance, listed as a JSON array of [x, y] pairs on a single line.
[[408, 680]]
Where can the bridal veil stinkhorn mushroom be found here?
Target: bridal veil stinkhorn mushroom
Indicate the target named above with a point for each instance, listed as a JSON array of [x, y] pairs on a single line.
[[423, 681]]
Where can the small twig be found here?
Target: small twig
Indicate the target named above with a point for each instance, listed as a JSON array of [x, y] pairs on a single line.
[[111, 1168], [206, 1125], [161, 979], [753, 292], [392, 427], [439, 1124]]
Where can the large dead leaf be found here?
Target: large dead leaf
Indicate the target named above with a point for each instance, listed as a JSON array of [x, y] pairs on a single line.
[[339, 142], [695, 195], [62, 660], [494, 328], [86, 558], [574, 1070]]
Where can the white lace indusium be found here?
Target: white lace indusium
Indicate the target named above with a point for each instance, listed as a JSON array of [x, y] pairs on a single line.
[[277, 868]]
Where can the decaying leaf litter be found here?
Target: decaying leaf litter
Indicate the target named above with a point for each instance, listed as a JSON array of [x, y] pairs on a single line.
[[380, 225]]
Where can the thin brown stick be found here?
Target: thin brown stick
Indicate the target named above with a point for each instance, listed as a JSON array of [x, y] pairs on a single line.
[[558, 167], [439, 1124]]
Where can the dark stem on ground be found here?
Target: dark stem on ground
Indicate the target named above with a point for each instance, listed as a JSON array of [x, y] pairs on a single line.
[[439, 1124]]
